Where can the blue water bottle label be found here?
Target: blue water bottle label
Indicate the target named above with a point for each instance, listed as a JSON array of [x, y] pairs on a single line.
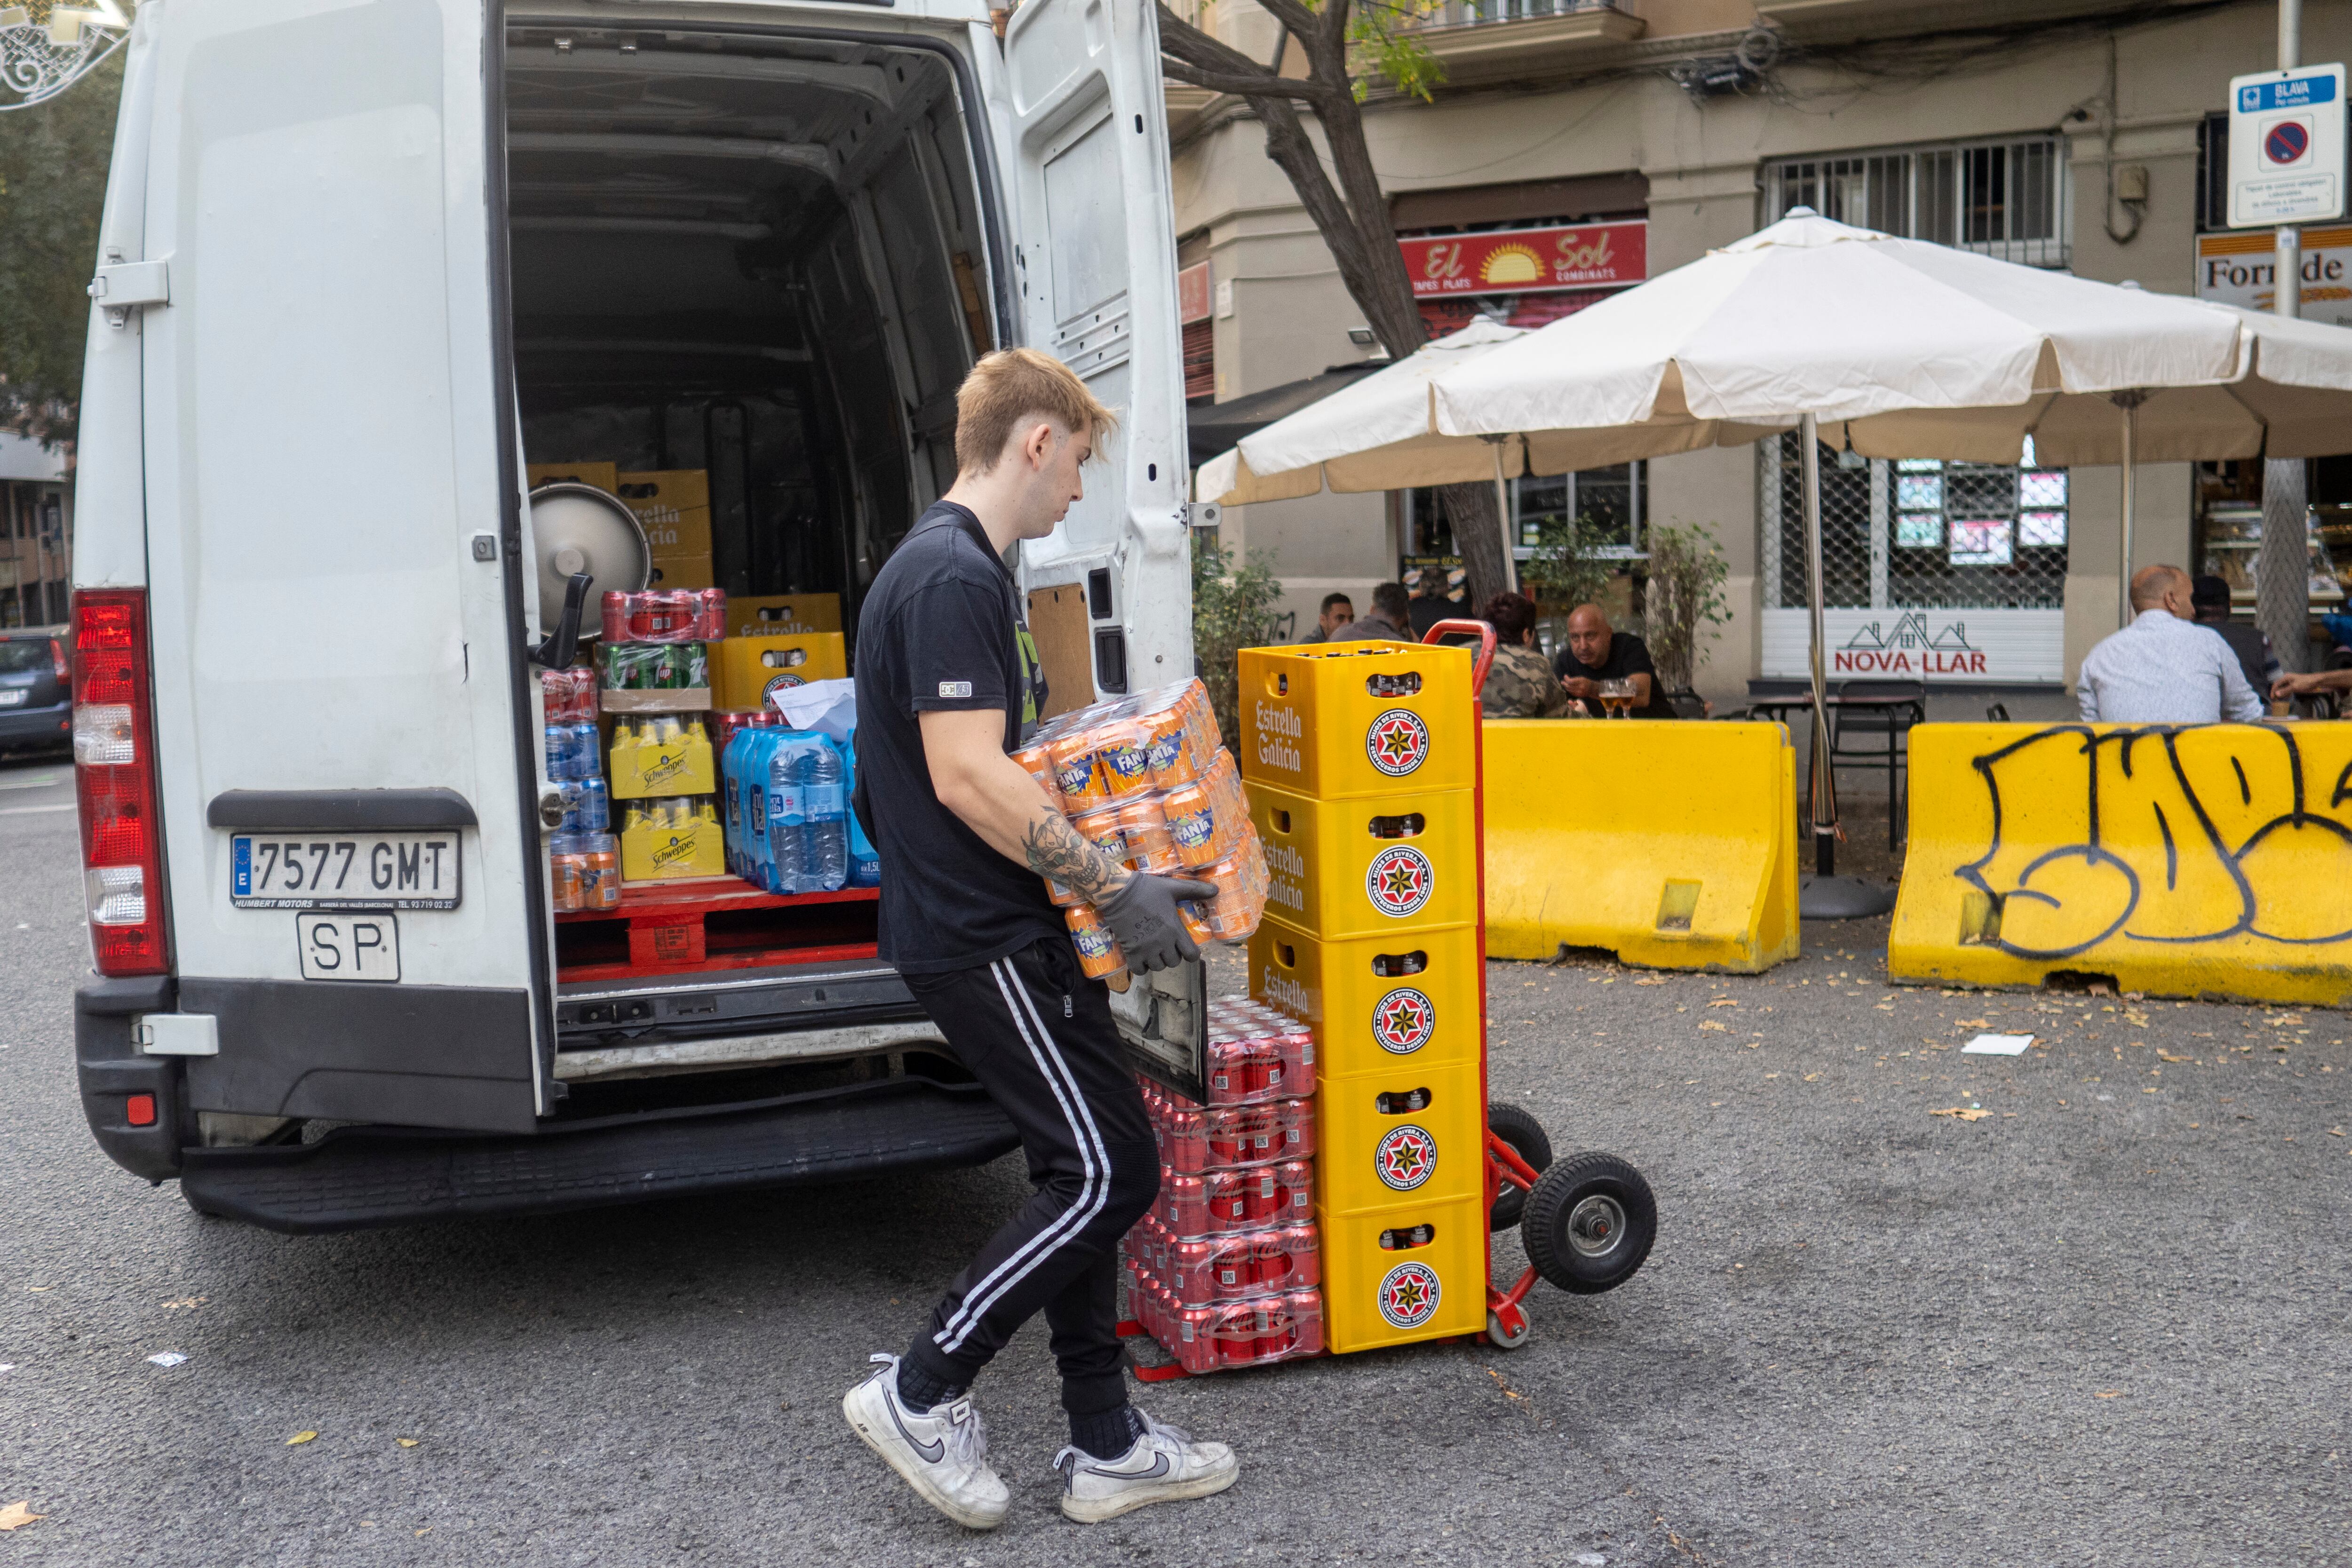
[[825, 800]]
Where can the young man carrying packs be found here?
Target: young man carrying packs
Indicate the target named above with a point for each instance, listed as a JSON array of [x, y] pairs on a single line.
[[947, 687]]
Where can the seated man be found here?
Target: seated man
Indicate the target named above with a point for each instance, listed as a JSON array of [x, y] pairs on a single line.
[[2211, 598], [2164, 669], [1391, 620], [1337, 611], [1595, 653], [1519, 684]]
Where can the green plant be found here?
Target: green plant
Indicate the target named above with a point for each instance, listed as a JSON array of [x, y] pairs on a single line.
[[1566, 568], [1685, 601], [1232, 608]]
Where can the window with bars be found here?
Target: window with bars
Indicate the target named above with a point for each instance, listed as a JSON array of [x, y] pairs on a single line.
[[2005, 199], [1613, 499], [1917, 533]]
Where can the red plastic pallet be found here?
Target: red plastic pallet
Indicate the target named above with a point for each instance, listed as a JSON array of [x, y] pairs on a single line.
[[712, 923]]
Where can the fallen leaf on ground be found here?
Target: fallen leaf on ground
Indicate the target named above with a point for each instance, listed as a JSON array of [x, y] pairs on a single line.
[[1650, 979], [186, 1301], [1965, 1114], [2108, 1394], [2336, 1132], [1723, 1002], [17, 1515], [1711, 1024], [2168, 1057], [301, 1437], [1970, 1024], [406, 1442], [1811, 1077]]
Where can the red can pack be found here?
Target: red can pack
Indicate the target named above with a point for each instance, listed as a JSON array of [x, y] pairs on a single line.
[[569, 695]]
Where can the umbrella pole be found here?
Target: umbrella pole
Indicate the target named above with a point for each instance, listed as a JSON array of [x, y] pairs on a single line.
[[1503, 518], [1820, 775], [2129, 402]]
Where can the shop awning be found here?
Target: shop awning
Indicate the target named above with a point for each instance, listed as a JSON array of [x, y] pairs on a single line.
[[1216, 427]]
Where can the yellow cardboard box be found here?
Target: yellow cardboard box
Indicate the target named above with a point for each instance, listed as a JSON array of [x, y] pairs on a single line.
[[784, 614], [743, 671], [673, 506], [661, 757], [605, 476], [683, 572], [682, 841]]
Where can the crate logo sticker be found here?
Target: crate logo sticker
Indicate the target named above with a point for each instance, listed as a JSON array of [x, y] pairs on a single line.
[[776, 684], [1403, 1020], [1409, 1295], [1397, 743], [1400, 881], [1406, 1158]]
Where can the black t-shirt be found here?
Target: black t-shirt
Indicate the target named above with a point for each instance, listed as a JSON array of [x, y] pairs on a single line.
[[941, 629], [1627, 656]]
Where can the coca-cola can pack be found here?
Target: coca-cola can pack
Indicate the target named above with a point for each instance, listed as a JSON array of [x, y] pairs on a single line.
[[665, 614]]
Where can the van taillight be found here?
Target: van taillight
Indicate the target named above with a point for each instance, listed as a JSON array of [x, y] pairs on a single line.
[[114, 779]]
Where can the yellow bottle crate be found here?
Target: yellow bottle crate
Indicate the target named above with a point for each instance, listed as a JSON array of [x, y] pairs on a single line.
[[1408, 1136], [1342, 720], [1369, 865], [744, 670], [1375, 1003], [1375, 1295]]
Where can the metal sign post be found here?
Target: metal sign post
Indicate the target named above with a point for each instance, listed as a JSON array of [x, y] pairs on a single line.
[[2287, 167]]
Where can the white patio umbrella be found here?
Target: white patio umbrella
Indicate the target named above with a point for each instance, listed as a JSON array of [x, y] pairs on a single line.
[[1893, 348], [1376, 435]]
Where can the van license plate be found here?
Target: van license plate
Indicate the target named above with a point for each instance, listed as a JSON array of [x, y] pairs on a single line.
[[344, 871], [349, 947]]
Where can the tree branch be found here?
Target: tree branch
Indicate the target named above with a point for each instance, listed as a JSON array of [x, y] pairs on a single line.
[[1249, 86], [1179, 39], [1297, 17]]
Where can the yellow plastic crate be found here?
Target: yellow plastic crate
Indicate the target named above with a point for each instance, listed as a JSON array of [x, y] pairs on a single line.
[[1369, 865], [1375, 1295], [1342, 720], [1376, 1003], [744, 670], [1375, 1151]]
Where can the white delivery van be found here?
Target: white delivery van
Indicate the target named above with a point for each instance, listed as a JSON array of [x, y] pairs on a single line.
[[363, 262]]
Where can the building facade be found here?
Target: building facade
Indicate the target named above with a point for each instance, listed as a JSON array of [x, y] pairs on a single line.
[[1633, 135], [36, 532]]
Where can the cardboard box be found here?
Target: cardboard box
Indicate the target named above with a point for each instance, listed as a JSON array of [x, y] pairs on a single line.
[[671, 851], [605, 476], [743, 671], [643, 766], [673, 506], [783, 615], [683, 572]]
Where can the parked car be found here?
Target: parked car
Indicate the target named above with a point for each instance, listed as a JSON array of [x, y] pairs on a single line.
[[35, 690]]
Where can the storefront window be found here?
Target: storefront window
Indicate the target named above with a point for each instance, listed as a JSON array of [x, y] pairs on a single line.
[[1609, 499]]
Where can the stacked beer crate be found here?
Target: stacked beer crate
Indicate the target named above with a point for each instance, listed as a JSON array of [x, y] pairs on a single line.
[[1360, 760]]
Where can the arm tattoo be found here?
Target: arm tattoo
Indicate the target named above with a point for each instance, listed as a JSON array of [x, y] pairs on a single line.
[[1055, 849]]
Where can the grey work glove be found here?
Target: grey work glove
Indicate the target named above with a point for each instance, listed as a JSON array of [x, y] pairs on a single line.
[[1142, 916]]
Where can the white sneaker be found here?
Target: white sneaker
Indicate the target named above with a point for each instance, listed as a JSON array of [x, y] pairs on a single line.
[[942, 1452], [1163, 1465]]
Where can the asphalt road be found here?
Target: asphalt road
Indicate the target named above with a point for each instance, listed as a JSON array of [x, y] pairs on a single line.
[[2104, 1324]]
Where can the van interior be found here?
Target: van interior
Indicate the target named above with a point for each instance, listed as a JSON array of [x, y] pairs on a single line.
[[764, 258]]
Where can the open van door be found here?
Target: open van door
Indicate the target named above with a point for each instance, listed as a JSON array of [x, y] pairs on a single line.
[[346, 736], [1095, 269], [1095, 264]]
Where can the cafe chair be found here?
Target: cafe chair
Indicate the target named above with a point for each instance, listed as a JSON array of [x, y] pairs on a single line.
[[1869, 729]]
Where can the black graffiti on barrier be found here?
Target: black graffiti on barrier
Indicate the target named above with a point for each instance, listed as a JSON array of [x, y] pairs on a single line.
[[2238, 846]]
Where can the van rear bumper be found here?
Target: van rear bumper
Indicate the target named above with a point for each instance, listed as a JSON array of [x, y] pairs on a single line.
[[355, 1177]]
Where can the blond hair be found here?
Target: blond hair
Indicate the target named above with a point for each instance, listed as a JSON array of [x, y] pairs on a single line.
[[1012, 386]]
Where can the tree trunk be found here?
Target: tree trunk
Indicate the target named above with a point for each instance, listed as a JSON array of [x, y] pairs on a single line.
[[1478, 536]]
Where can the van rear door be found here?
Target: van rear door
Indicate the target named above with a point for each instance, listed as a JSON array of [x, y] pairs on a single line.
[[1095, 265], [346, 737]]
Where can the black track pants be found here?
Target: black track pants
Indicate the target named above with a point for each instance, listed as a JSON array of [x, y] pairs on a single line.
[[1039, 1036]]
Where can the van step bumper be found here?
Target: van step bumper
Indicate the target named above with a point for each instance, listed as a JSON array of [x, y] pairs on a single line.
[[355, 1177]]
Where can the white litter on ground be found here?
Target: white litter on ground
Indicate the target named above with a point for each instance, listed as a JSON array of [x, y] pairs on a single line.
[[1997, 1045], [167, 1358]]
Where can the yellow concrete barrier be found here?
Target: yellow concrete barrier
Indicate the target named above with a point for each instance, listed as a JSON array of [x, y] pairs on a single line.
[[1671, 843], [2182, 860]]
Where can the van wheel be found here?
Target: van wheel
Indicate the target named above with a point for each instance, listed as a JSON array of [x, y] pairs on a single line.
[[1527, 1139], [1590, 1223]]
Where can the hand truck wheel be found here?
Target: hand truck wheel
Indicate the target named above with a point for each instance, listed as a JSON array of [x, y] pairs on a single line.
[[1528, 1141], [1590, 1222], [1509, 1333]]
